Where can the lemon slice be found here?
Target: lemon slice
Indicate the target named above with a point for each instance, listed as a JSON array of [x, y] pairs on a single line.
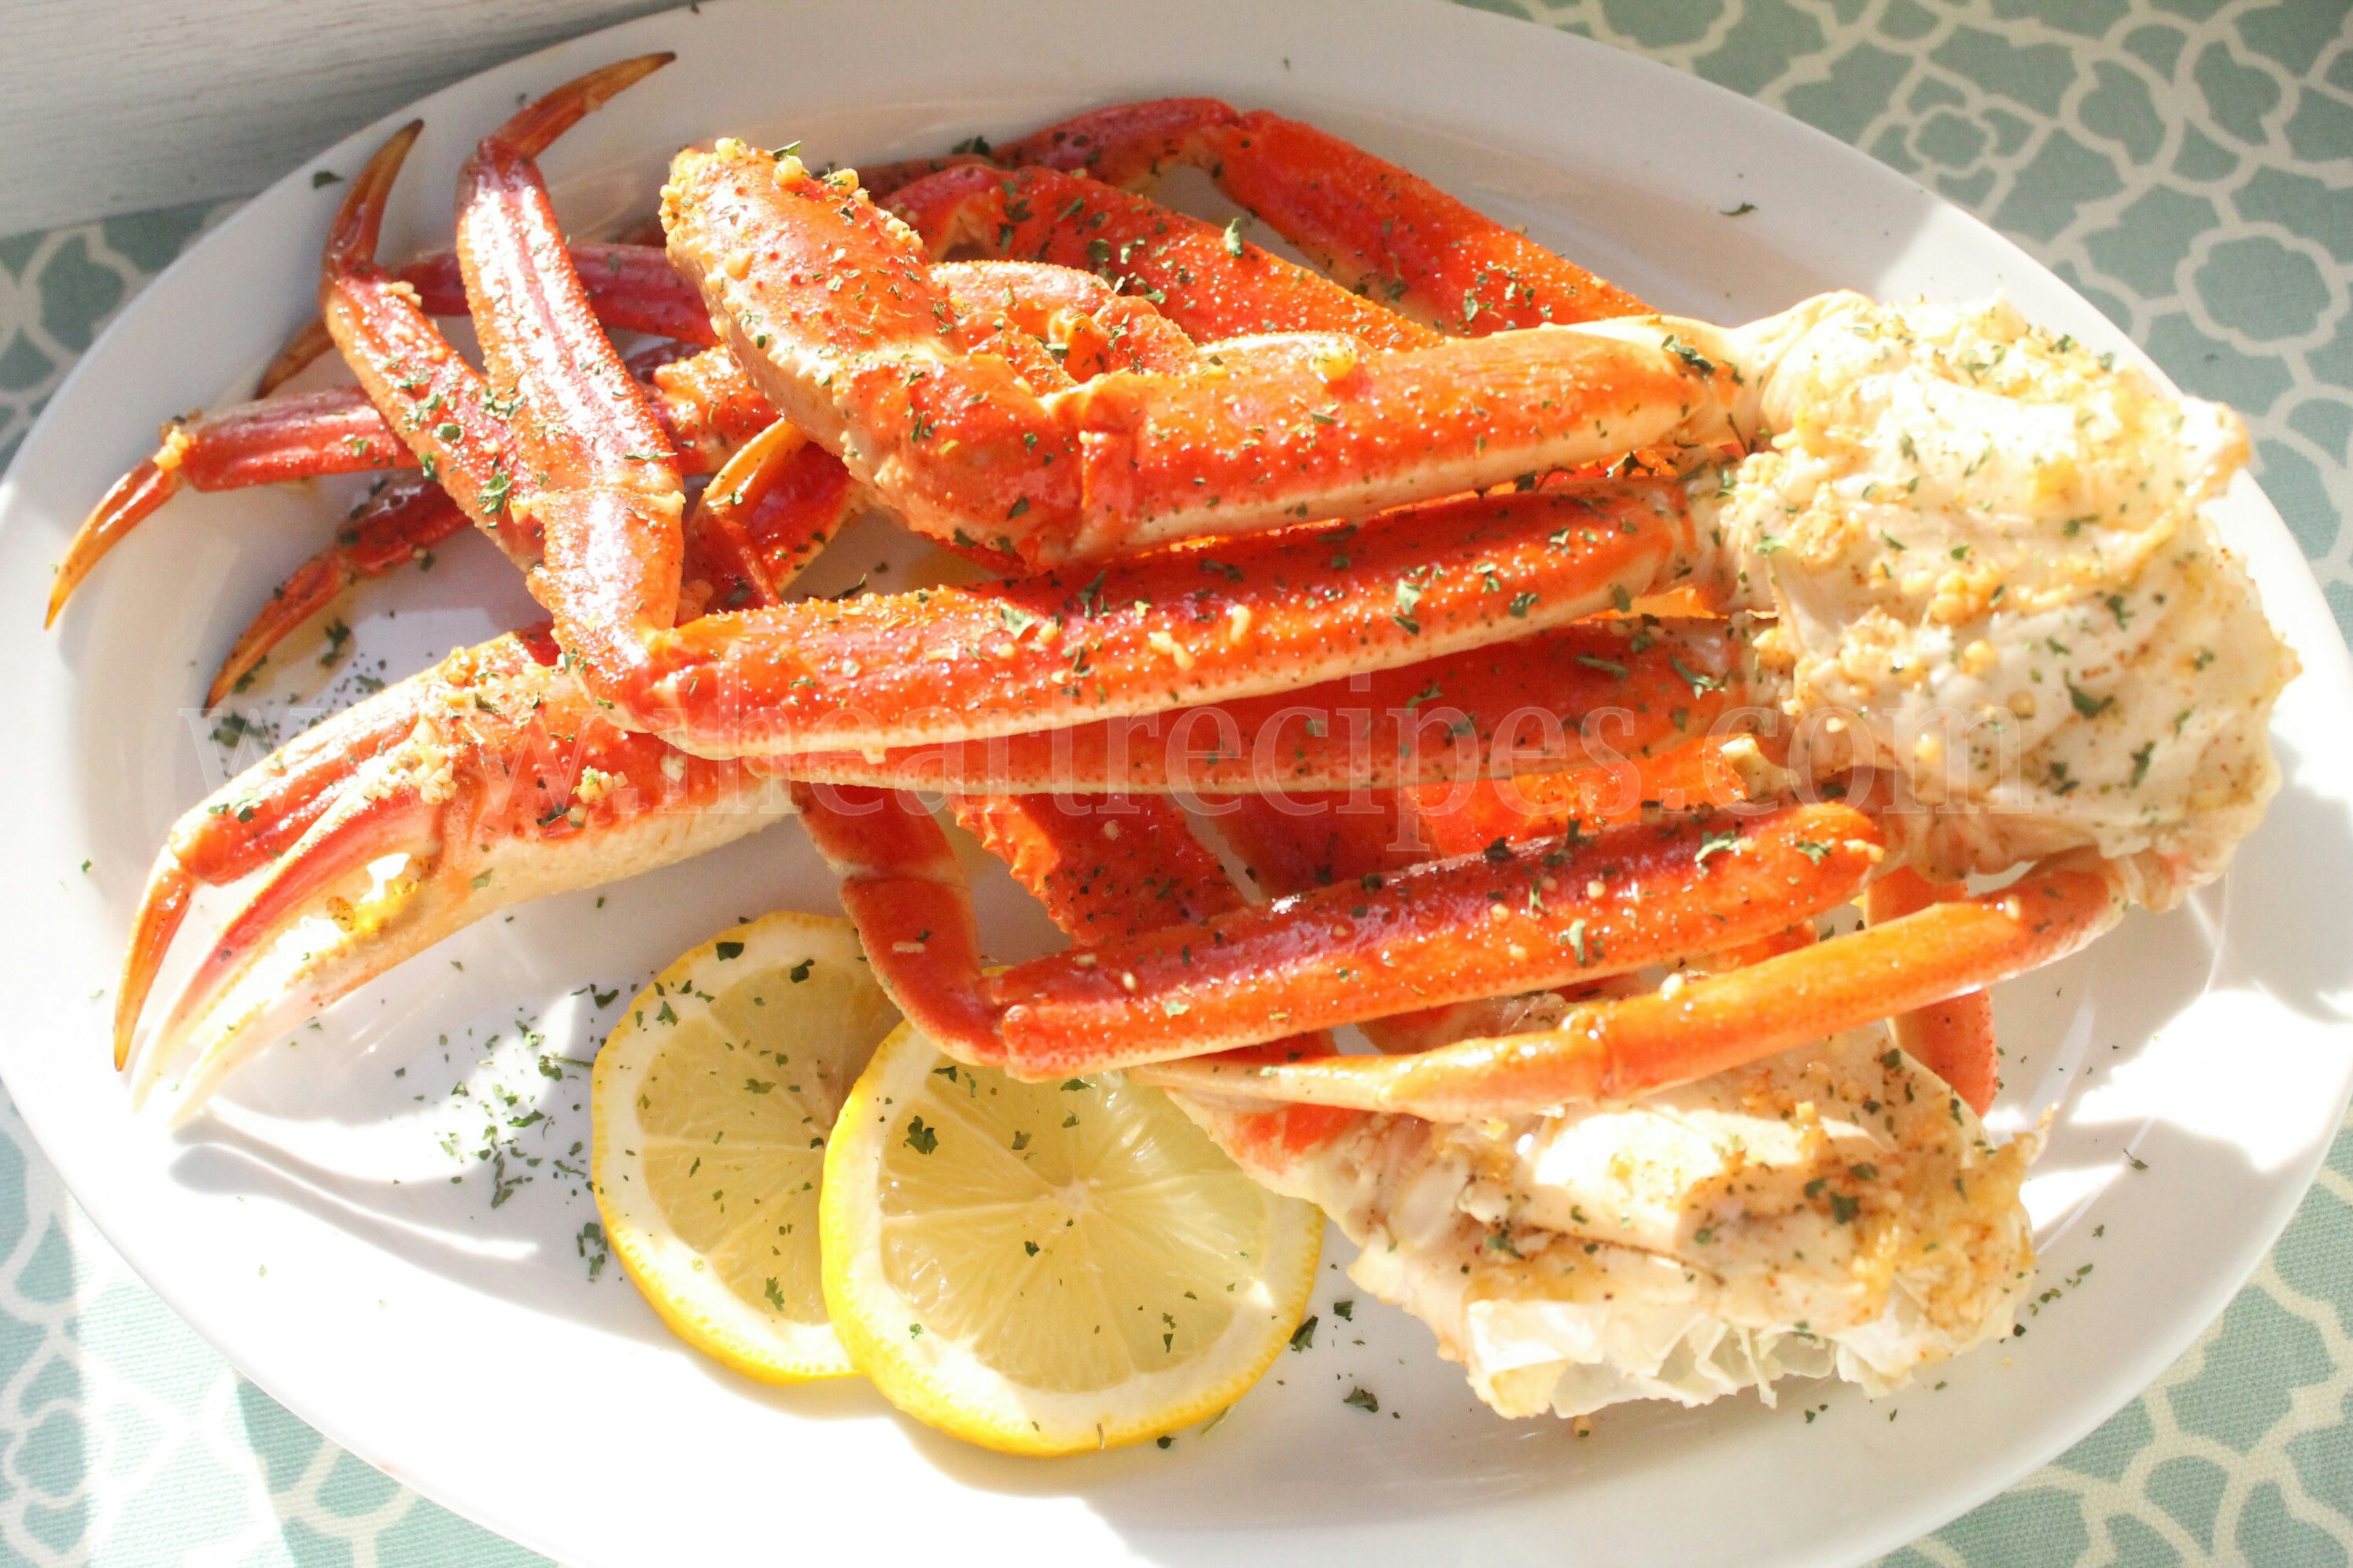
[[1046, 1269], [709, 1107]]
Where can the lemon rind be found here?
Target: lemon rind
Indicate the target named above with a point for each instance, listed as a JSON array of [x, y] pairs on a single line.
[[691, 1302]]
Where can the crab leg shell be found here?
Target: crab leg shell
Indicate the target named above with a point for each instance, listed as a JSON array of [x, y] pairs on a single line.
[[247, 823], [1214, 291], [1618, 1049], [745, 683], [632, 285], [632, 288], [1593, 693], [884, 179], [317, 433], [1214, 285], [721, 565], [800, 499], [1123, 144], [438, 403], [1114, 871], [1542, 914], [528, 312], [1379, 229], [505, 784], [900, 883], [1108, 869], [1953, 1038], [1176, 629], [1097, 328], [598, 789], [704, 401]]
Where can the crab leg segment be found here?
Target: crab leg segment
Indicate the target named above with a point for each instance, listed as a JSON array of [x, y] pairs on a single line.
[[1113, 871], [441, 405], [851, 676], [1451, 931], [1591, 694], [1380, 228], [763, 519], [1124, 143], [317, 433], [504, 214], [435, 768], [1108, 869], [1175, 629], [1617, 1051], [704, 401], [901, 884], [632, 288], [1953, 1038], [1215, 288], [1544, 915]]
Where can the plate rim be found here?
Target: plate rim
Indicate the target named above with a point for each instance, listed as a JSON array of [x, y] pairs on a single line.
[[1856, 1543]]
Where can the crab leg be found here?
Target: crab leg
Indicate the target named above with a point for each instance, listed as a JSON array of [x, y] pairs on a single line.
[[1213, 286], [1618, 1049], [745, 548], [1379, 229], [632, 288], [509, 786], [1594, 692], [763, 682], [1111, 871], [387, 533], [1519, 919], [1541, 915], [305, 437], [1176, 629], [441, 406], [1128, 869]]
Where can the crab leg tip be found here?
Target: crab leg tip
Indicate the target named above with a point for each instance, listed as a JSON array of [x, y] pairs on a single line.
[[353, 235], [304, 348], [540, 123]]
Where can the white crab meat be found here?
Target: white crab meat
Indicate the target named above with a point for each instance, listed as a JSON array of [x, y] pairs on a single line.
[[1992, 573], [1835, 1209]]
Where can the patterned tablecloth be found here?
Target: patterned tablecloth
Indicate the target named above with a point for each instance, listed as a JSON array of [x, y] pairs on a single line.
[[2186, 164]]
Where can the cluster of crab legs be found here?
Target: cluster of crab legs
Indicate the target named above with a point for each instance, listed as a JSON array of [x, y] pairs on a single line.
[[1375, 542]]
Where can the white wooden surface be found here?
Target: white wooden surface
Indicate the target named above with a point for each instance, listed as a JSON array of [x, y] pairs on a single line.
[[111, 106]]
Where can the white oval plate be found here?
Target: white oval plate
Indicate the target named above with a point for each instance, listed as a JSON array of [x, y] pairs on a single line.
[[310, 1226]]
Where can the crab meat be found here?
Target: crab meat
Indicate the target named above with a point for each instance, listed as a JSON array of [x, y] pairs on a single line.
[[1833, 1209]]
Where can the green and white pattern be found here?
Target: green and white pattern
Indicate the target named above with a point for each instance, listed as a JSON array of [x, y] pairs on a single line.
[[2187, 164]]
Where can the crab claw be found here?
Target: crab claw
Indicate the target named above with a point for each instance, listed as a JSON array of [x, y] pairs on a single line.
[[491, 776]]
